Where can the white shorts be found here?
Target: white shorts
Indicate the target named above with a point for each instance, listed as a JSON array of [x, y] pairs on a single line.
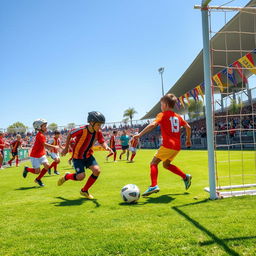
[[54, 155], [132, 149], [36, 162]]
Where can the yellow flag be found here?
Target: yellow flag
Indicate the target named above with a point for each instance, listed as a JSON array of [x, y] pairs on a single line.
[[181, 101], [247, 63], [217, 80]]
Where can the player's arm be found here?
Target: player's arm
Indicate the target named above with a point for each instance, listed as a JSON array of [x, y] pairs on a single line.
[[146, 130], [188, 135], [65, 150], [106, 147], [50, 146]]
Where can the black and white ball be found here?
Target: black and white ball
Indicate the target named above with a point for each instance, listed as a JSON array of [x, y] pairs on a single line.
[[130, 193]]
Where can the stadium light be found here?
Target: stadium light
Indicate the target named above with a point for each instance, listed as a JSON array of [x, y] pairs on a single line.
[[161, 71]]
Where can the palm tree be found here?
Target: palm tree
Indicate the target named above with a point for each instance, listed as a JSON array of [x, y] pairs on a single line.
[[234, 106], [129, 113], [195, 109]]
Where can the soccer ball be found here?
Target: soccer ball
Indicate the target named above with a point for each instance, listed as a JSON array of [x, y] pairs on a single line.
[[130, 193]]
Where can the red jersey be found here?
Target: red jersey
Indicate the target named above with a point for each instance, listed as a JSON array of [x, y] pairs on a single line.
[[170, 124], [2, 143], [15, 145], [134, 143], [38, 149], [112, 142], [84, 142], [55, 142]]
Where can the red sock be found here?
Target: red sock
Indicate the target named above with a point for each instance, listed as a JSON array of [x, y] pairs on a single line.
[[89, 182], [10, 162], [115, 156], [133, 155], [42, 173], [70, 176], [109, 154], [52, 164], [177, 171], [153, 174], [17, 161], [32, 170]]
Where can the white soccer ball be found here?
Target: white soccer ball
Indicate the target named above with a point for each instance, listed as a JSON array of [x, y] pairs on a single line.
[[130, 193]]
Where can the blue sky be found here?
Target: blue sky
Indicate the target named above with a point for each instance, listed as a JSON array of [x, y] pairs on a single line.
[[61, 59]]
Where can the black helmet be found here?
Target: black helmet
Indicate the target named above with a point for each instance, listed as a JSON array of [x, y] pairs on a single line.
[[96, 117]]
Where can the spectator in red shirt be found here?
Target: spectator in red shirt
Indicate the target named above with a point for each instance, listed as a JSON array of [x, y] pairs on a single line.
[[83, 157], [37, 154]]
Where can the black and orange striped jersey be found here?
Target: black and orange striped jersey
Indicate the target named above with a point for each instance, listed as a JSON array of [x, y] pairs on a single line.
[[112, 142], [15, 145], [84, 141]]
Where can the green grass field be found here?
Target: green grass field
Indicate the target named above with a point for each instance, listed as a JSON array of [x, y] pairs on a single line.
[[58, 221]]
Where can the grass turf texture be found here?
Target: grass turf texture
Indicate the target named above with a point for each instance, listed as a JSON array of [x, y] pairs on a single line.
[[58, 221]]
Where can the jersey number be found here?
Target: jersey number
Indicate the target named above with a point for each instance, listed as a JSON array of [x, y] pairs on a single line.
[[175, 124]]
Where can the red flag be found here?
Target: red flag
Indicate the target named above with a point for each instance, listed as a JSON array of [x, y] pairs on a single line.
[[239, 69]]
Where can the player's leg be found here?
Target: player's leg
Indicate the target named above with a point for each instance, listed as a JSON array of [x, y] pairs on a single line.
[[153, 175], [10, 161], [78, 175], [94, 167], [176, 170], [56, 161], [35, 169], [17, 160], [123, 152], [46, 165]]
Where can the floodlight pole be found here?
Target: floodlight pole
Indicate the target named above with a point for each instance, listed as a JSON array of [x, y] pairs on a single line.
[[161, 71], [208, 99]]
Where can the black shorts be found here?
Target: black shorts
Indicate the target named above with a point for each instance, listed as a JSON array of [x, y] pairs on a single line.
[[80, 164], [15, 153], [2, 152], [113, 149], [125, 147]]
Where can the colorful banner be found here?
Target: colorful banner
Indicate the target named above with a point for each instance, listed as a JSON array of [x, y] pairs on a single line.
[[248, 62], [182, 101], [239, 69], [218, 82], [229, 72]]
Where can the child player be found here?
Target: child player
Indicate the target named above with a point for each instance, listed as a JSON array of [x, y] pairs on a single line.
[[133, 147], [83, 153], [2, 144], [14, 150], [54, 152], [38, 154], [112, 145], [170, 124]]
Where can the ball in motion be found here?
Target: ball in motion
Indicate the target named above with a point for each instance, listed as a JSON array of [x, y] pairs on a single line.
[[130, 193]]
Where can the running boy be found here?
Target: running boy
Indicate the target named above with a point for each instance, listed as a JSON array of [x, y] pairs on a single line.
[[170, 124], [2, 144], [125, 145], [54, 152], [133, 147], [83, 153], [14, 150], [112, 145], [37, 154]]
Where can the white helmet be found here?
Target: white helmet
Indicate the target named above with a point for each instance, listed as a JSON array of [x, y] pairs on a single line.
[[38, 123]]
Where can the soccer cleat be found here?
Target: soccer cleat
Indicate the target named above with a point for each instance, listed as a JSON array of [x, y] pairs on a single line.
[[25, 172], [86, 194], [39, 182], [49, 171], [56, 172], [187, 181], [62, 179], [151, 190]]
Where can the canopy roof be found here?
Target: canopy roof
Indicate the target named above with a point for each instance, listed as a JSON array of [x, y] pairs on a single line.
[[238, 45]]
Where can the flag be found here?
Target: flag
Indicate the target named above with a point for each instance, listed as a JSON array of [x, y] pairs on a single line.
[[199, 91], [187, 97], [178, 103], [248, 63], [218, 81], [182, 101], [229, 72], [239, 69], [193, 94]]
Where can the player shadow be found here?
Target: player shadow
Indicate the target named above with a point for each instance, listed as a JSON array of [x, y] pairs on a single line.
[[27, 188], [214, 238], [73, 202], [163, 199]]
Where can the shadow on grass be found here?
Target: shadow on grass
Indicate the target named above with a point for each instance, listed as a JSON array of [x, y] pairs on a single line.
[[215, 239], [163, 199], [72, 202], [27, 188]]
